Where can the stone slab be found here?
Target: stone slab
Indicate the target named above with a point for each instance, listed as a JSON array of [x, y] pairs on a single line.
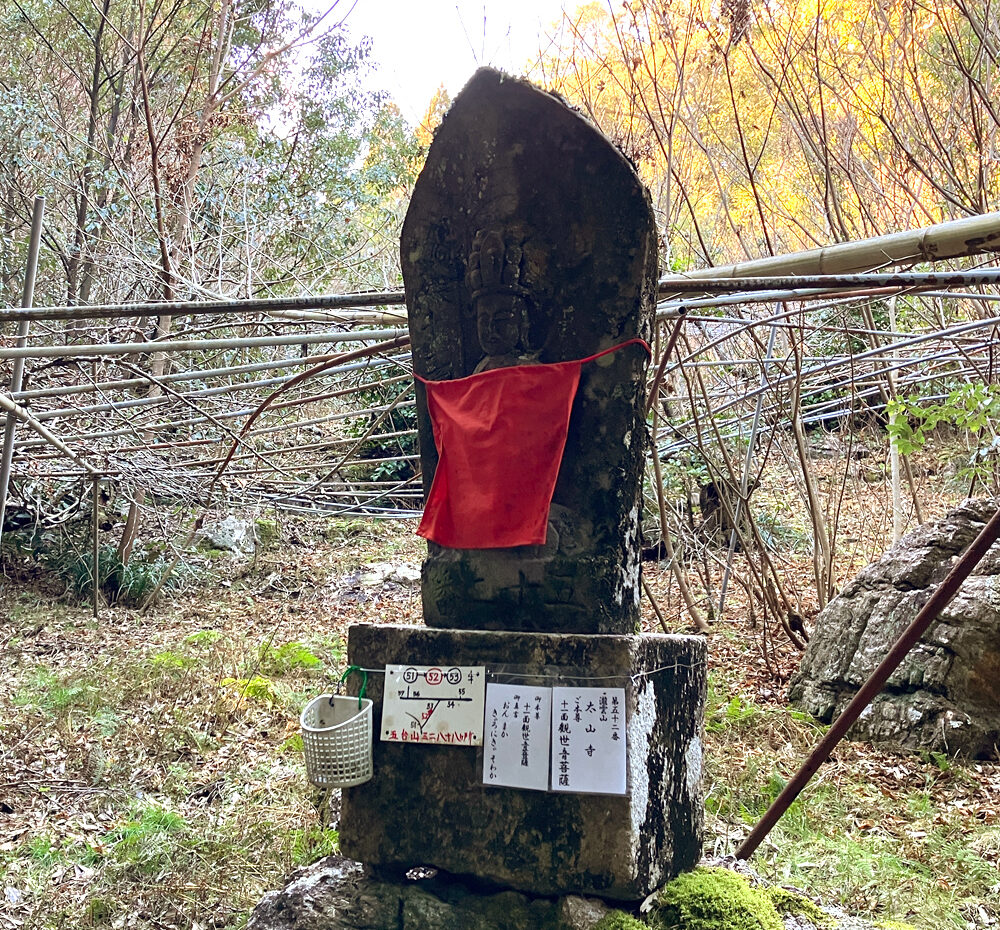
[[336, 894], [427, 806]]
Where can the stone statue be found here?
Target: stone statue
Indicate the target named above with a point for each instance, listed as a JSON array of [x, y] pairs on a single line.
[[526, 247], [529, 246]]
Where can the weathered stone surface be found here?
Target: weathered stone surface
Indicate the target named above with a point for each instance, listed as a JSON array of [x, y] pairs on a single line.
[[945, 696], [331, 894], [336, 894], [230, 534], [427, 805], [515, 175]]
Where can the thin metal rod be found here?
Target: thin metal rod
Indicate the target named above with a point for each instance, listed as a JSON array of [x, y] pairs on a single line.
[[800, 285], [907, 640], [51, 438], [197, 345], [130, 430], [204, 374], [95, 560], [714, 281], [17, 375], [181, 307]]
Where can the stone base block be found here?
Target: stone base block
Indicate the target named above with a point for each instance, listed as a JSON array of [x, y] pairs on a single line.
[[427, 806], [336, 894]]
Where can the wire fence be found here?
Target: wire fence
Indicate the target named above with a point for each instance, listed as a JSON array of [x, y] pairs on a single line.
[[312, 409], [307, 405]]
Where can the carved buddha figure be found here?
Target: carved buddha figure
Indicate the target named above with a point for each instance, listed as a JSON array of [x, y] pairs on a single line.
[[503, 306]]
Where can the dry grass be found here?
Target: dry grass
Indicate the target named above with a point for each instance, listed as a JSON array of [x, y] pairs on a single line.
[[152, 774], [150, 766]]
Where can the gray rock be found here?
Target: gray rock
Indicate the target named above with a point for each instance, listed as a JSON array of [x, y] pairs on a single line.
[[945, 695], [336, 894], [578, 913], [231, 534], [331, 894], [378, 573]]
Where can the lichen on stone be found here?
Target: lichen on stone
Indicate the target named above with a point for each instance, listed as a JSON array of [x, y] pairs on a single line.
[[788, 902], [714, 899]]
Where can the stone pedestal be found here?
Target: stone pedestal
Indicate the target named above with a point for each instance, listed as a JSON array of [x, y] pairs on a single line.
[[427, 806]]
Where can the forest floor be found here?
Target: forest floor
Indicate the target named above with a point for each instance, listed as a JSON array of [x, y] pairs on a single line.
[[151, 773]]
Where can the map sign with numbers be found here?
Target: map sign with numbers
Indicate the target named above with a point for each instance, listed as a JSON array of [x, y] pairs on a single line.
[[434, 704], [516, 747], [588, 740]]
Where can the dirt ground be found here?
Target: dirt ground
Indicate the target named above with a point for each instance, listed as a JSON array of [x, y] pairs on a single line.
[[151, 771]]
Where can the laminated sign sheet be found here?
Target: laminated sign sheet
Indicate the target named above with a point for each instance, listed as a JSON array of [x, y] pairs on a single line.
[[588, 740], [431, 704], [516, 745]]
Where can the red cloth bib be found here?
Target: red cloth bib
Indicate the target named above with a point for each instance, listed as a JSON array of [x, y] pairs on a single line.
[[500, 436]]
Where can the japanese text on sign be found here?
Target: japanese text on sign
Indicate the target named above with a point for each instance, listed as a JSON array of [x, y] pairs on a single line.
[[431, 704], [516, 743], [588, 740]]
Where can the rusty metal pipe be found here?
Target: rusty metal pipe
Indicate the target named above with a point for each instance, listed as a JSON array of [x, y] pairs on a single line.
[[907, 640]]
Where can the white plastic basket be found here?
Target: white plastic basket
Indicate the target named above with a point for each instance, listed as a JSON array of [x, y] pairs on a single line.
[[337, 740]]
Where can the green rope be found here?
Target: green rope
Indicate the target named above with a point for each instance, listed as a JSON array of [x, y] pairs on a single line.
[[364, 680]]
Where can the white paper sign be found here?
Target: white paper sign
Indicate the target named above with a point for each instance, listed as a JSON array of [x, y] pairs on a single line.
[[431, 704], [516, 745], [588, 740]]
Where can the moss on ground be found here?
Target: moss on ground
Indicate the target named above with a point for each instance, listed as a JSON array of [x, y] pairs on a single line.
[[788, 902], [714, 899]]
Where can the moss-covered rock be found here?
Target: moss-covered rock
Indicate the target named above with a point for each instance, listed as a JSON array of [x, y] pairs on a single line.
[[714, 899], [619, 920], [267, 532]]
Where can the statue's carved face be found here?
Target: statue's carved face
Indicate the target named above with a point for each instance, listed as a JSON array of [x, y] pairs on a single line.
[[498, 322]]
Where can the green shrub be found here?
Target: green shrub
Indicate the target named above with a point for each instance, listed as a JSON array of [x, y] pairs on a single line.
[[126, 583], [149, 841], [280, 659], [258, 688]]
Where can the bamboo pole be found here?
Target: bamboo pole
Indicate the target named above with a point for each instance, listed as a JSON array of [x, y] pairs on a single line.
[[194, 421], [201, 345], [11, 408], [17, 375], [196, 374], [800, 285], [187, 307], [973, 235], [95, 556], [968, 236]]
